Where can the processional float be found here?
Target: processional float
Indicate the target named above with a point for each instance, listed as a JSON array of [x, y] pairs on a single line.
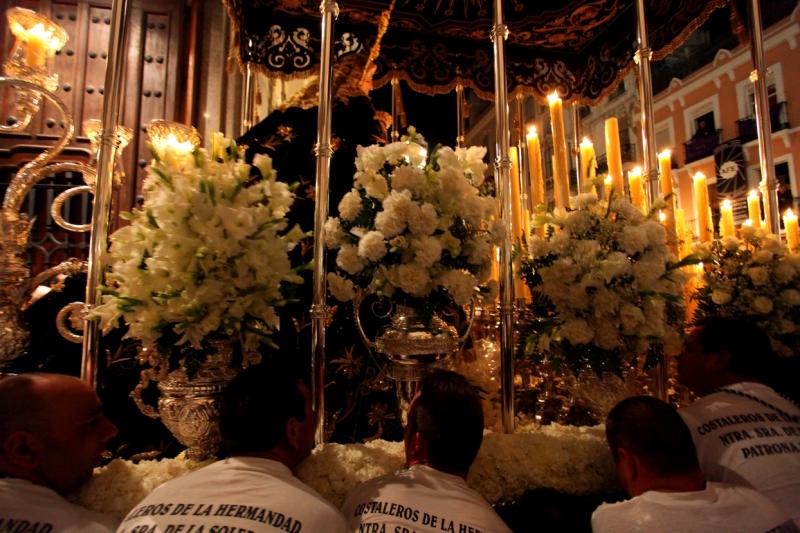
[[389, 66]]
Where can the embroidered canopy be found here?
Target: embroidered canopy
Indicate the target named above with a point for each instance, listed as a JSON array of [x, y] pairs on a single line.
[[582, 48]]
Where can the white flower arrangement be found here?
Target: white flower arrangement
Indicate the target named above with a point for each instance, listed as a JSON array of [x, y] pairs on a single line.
[[757, 278], [573, 460], [415, 227], [605, 289], [205, 256]]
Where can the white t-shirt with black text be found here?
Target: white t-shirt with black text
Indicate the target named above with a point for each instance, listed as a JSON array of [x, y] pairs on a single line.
[[25, 506], [743, 441], [419, 499], [238, 494], [720, 507]]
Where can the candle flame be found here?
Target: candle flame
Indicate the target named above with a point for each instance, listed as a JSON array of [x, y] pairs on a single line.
[[636, 171], [532, 132], [666, 153], [662, 217], [726, 203], [172, 142], [747, 222], [586, 142], [753, 193], [698, 176], [790, 214], [552, 98], [607, 180]]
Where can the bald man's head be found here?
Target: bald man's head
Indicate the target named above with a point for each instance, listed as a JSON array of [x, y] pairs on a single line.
[[52, 430]]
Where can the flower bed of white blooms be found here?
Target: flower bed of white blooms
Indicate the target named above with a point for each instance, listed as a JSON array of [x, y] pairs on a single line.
[[573, 460]]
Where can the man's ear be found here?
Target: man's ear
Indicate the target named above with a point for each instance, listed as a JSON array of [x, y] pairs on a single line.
[[23, 450], [720, 361], [293, 433], [627, 468]]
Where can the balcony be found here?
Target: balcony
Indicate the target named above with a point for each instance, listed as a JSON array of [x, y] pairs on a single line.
[[628, 153], [779, 120], [701, 146]]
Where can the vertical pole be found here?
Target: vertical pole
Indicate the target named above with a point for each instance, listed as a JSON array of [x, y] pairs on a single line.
[[576, 147], [323, 151], [522, 162], [106, 155], [643, 57], [395, 108], [249, 97], [460, 115], [769, 184], [502, 168]]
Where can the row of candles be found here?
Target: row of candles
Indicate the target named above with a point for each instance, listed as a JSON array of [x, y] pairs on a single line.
[[674, 219]]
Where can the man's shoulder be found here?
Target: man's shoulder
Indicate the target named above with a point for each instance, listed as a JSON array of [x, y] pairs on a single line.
[[27, 501]]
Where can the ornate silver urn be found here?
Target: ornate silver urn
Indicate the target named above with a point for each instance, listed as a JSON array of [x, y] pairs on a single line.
[[411, 346], [189, 407]]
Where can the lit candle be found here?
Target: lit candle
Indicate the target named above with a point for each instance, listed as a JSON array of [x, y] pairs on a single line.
[[560, 169], [684, 237], [790, 227], [613, 154], [588, 164], [516, 199], [535, 170], [636, 187], [665, 171], [607, 185], [37, 45], [704, 230], [726, 226], [754, 208]]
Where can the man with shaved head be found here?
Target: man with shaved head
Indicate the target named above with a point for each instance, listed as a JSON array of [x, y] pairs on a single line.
[[52, 434]]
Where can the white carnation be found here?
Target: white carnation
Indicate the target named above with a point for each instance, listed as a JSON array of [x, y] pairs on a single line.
[[762, 305], [633, 239], [341, 288], [720, 296], [427, 251], [791, 297], [350, 205], [422, 219], [410, 278], [372, 246], [758, 275], [390, 223], [460, 284], [784, 272], [576, 331], [334, 235], [762, 257], [408, 177], [631, 317], [348, 259]]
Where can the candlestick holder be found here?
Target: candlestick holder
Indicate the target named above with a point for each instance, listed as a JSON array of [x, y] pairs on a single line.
[[37, 38], [164, 134], [28, 71]]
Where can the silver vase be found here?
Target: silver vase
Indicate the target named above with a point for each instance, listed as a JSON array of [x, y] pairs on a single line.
[[189, 407]]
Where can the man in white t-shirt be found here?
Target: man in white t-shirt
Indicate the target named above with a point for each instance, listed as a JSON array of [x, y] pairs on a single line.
[[52, 434], [745, 432], [657, 465], [267, 427], [442, 438]]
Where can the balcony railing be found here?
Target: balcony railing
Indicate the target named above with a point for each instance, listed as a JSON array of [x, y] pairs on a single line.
[[701, 146], [779, 120]]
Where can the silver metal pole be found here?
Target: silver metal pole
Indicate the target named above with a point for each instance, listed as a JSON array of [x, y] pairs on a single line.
[[759, 78], [502, 168], [323, 151], [643, 57], [576, 147], [106, 156], [522, 162], [460, 115], [249, 97], [395, 108]]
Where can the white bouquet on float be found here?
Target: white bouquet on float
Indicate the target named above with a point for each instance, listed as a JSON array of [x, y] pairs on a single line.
[[415, 228], [755, 278], [605, 290], [206, 255]]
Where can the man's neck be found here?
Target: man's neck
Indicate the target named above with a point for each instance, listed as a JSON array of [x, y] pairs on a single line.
[[275, 454], [414, 462], [678, 483]]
